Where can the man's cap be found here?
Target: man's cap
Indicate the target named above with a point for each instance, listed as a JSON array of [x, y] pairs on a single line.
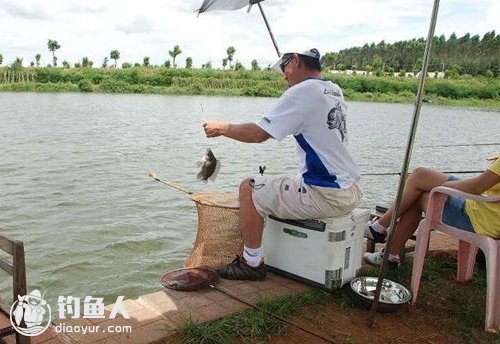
[[311, 53]]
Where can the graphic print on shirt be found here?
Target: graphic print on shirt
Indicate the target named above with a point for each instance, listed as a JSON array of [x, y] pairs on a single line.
[[337, 119]]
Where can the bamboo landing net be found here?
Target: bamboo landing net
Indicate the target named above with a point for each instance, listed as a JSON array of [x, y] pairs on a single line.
[[218, 239]]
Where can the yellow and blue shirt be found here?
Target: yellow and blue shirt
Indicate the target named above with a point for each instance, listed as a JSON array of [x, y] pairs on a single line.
[[485, 217]]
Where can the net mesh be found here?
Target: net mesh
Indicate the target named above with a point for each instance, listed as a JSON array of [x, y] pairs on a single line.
[[218, 239]]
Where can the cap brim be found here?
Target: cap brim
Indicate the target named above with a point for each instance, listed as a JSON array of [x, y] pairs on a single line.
[[277, 67]]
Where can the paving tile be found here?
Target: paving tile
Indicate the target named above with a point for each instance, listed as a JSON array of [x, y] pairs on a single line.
[[44, 337], [144, 316], [229, 283], [266, 284], [137, 336], [298, 288], [177, 295], [216, 295], [194, 301], [159, 329], [233, 305], [158, 297], [167, 307], [250, 298], [180, 318], [212, 312], [242, 289], [278, 279], [59, 339], [279, 291]]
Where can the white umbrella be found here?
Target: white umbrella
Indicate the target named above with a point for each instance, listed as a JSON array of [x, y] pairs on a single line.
[[231, 5]]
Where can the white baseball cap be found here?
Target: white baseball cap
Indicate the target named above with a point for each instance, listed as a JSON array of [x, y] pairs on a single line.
[[312, 53]]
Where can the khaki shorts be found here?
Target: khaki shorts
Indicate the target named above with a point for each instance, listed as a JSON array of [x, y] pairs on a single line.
[[290, 198]]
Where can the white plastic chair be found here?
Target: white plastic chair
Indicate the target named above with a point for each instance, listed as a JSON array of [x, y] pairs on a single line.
[[467, 249]]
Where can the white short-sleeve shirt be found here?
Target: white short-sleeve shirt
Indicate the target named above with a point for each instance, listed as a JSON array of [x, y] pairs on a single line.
[[314, 112]]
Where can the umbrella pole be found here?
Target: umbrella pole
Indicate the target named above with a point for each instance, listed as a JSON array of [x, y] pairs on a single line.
[[409, 147], [269, 29]]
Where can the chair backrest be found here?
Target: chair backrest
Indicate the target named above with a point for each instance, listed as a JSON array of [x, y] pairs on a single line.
[[16, 268]]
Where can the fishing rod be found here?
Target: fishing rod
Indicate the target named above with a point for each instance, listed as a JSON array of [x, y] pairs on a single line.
[[260, 309], [152, 175], [399, 173], [449, 145]]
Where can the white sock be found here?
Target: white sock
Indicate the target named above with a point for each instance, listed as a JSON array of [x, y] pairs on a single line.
[[377, 227], [253, 256], [393, 258]]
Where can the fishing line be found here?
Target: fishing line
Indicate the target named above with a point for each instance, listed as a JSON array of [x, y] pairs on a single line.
[[448, 145]]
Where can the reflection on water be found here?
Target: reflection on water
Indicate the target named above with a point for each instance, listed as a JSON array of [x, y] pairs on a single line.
[[75, 187]]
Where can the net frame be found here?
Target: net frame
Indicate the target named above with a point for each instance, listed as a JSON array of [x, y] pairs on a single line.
[[189, 279]]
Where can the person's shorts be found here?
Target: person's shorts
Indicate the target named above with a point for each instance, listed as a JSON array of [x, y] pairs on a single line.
[[290, 198], [454, 212]]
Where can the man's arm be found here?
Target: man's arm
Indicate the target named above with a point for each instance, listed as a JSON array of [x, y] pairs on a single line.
[[245, 132], [475, 185]]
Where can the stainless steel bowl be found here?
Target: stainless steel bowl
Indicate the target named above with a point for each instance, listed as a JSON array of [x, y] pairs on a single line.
[[392, 295]]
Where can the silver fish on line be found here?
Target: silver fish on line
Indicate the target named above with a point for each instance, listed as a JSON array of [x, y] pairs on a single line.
[[209, 167]]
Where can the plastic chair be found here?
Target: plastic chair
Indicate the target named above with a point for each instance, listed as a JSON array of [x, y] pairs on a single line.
[[467, 249]]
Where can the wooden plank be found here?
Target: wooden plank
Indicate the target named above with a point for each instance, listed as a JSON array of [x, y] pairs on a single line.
[[6, 244], [5, 266], [19, 270]]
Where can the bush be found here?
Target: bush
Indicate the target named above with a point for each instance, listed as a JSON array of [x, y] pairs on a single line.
[[115, 86], [85, 86]]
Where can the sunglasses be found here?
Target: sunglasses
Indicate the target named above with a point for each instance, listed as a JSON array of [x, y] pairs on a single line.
[[285, 63]]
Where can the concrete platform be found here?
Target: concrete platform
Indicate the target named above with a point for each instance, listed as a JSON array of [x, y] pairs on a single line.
[[157, 316]]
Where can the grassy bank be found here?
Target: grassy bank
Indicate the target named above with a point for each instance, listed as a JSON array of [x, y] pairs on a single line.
[[445, 312], [483, 92]]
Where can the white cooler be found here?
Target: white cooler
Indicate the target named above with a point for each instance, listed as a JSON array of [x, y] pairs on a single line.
[[325, 253]]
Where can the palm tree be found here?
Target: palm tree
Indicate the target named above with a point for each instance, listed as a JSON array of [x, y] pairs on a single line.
[[17, 65], [255, 65], [189, 63], [145, 61], [115, 55], [85, 62], [173, 53], [230, 53], [37, 59], [53, 46]]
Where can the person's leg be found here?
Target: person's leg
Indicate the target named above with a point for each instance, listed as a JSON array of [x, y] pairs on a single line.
[[420, 180], [250, 267], [251, 223], [408, 223]]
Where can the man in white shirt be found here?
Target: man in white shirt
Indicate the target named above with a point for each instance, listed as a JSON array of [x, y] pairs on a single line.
[[314, 112]]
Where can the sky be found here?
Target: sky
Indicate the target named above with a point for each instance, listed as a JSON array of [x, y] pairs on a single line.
[[93, 28]]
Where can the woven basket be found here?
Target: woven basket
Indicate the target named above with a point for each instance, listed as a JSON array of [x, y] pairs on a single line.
[[218, 239]]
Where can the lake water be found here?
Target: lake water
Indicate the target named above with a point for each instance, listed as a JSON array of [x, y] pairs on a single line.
[[75, 188]]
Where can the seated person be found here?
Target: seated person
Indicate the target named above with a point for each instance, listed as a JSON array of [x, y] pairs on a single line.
[[313, 110], [469, 215]]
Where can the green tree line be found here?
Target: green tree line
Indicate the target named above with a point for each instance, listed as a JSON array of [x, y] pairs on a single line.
[[468, 54], [245, 82]]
